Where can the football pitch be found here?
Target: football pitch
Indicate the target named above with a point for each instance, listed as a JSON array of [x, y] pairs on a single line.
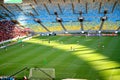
[[92, 58]]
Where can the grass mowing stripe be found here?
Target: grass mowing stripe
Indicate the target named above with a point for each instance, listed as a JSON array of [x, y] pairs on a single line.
[[92, 45], [112, 51], [21, 58], [54, 55], [15, 51], [36, 58], [14, 60], [44, 57], [85, 56], [110, 46], [32, 50], [55, 60], [10, 69], [67, 65], [16, 54], [40, 56]]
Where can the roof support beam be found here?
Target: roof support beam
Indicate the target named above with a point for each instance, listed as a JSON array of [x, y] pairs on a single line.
[[39, 22], [20, 9], [34, 9], [114, 6], [32, 15], [99, 7], [81, 24], [50, 1], [44, 27], [101, 25], [63, 26], [73, 8], [47, 9], [81, 19], [103, 19], [35, 2], [86, 5], [7, 9], [118, 28], [60, 21], [60, 8]]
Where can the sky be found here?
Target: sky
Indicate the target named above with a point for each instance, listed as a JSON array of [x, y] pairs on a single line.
[[12, 1]]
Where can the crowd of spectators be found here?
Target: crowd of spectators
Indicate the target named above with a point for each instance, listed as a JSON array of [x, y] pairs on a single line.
[[9, 30]]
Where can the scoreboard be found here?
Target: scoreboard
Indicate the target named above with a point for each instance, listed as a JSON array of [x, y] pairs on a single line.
[[12, 1]]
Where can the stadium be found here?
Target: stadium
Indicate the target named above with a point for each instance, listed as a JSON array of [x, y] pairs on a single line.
[[59, 39]]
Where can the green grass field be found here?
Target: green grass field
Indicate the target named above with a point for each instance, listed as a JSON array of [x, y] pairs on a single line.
[[71, 56]]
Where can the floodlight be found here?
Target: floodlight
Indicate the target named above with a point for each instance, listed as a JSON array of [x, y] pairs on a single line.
[[52, 34], [99, 32], [82, 32], [116, 32], [48, 34], [66, 32], [81, 19], [104, 18], [37, 20], [59, 19], [42, 34]]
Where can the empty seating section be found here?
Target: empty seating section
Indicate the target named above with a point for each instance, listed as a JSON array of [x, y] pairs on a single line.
[[69, 12], [9, 30], [54, 26], [70, 16], [36, 27]]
